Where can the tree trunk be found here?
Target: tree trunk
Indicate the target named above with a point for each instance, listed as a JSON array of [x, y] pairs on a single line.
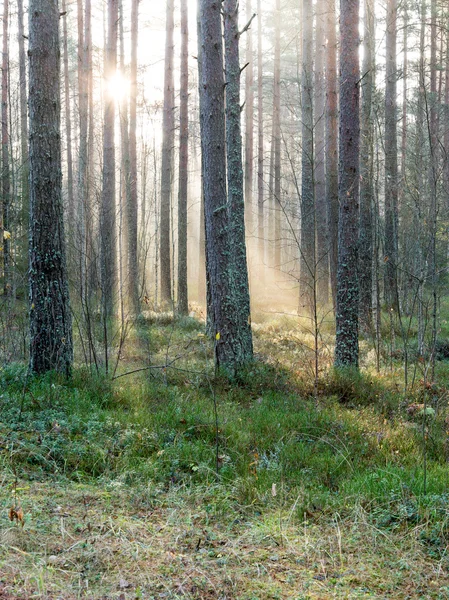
[[50, 319], [420, 183], [446, 129], [91, 247], [433, 183], [249, 122], [404, 281], [125, 179], [260, 150], [23, 119], [347, 346], [322, 227], [230, 342], [168, 142], [133, 258], [391, 159], [183, 301], [238, 272], [308, 261], [6, 175], [203, 278], [277, 139], [108, 239], [367, 172], [81, 220], [68, 122], [332, 143]]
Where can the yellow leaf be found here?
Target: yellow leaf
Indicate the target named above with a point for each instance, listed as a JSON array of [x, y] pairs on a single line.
[[218, 336], [6, 235]]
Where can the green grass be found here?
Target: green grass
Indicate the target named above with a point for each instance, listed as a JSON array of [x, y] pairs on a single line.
[[314, 497]]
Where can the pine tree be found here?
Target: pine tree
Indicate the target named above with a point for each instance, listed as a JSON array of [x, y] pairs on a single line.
[[50, 318], [108, 239], [347, 343], [366, 171], [232, 343], [308, 264], [183, 301], [168, 142]]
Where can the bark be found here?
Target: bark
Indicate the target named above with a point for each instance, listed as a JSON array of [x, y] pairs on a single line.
[[367, 171], [404, 100], [433, 182], [183, 301], [5, 173], [332, 143], [277, 139], [91, 248], [249, 122], [446, 130], [308, 261], [347, 347], [23, 117], [203, 279], [202, 285], [420, 184], [108, 240], [168, 141], [391, 159], [125, 180], [260, 150], [133, 257], [50, 319], [404, 280], [228, 345], [83, 154], [322, 228], [68, 122], [238, 271]]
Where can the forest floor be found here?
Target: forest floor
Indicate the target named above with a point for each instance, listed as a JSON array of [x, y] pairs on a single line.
[[138, 488]]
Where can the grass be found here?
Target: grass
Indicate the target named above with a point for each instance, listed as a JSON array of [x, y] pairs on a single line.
[[314, 497]]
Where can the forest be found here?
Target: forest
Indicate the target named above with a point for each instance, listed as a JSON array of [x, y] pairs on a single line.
[[224, 311]]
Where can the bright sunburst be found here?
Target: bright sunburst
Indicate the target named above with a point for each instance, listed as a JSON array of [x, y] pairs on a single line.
[[118, 86]]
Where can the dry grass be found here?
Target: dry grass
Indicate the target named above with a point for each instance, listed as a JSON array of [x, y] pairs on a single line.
[[89, 542]]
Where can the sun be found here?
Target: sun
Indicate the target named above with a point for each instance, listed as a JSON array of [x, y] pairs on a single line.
[[118, 86]]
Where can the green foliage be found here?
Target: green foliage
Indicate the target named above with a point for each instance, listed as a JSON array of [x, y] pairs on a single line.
[[286, 458], [325, 457]]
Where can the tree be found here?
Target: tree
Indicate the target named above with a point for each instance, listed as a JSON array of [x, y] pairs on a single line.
[[366, 171], [347, 342], [6, 177], [80, 236], [108, 242], [23, 109], [238, 271], [183, 301], [322, 226], [332, 143], [249, 120], [230, 347], [308, 275], [133, 258], [275, 170], [50, 318], [391, 159], [260, 148], [168, 142], [68, 122]]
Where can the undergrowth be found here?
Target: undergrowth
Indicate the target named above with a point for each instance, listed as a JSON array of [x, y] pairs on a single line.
[[356, 452]]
